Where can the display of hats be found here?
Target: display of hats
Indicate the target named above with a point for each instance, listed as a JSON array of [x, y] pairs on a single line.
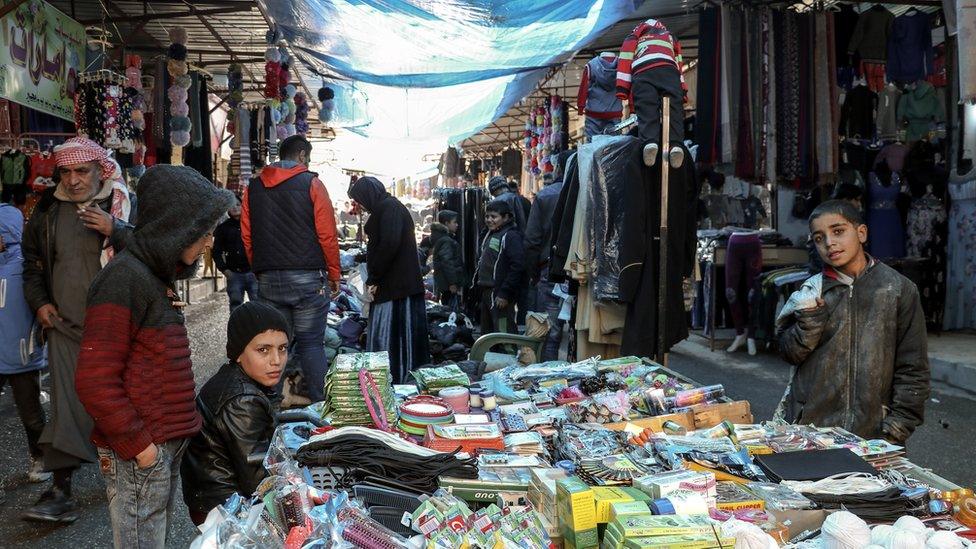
[[344, 401], [416, 413]]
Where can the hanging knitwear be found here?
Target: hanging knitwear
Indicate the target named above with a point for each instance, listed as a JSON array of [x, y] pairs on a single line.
[[196, 131], [244, 142]]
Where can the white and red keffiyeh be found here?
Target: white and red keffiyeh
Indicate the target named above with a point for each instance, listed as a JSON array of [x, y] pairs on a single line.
[[79, 150]]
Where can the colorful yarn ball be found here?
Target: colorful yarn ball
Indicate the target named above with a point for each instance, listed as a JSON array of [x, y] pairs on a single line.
[[326, 93], [291, 106], [328, 105], [300, 98], [301, 127], [177, 51], [290, 129], [178, 35], [176, 94], [179, 139], [180, 124], [325, 115], [236, 96], [177, 68], [183, 81], [133, 60], [290, 91], [272, 55], [180, 109], [281, 131], [284, 76], [290, 119], [275, 116]]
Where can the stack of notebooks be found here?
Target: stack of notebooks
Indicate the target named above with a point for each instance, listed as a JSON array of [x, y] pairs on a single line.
[[344, 402]]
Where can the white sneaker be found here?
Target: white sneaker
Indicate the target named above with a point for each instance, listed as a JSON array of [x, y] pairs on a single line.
[[650, 154], [36, 472], [751, 344], [676, 156], [739, 341]]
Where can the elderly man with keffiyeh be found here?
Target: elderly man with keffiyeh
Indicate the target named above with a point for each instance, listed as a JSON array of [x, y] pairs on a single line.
[[75, 229]]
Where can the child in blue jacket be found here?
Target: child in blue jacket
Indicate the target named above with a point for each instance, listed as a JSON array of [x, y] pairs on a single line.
[[21, 356]]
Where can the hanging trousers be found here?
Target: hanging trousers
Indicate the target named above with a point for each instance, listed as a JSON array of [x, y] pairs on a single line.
[[743, 264], [648, 88]]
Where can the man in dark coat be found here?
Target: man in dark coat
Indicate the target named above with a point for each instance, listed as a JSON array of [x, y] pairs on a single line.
[[76, 228], [230, 257]]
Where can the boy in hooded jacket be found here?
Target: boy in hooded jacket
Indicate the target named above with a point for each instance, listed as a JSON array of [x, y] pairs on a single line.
[[134, 374], [446, 251], [501, 269]]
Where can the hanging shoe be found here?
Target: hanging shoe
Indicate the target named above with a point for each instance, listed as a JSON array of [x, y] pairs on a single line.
[[739, 341], [53, 506], [36, 472], [751, 345], [650, 154], [676, 157]]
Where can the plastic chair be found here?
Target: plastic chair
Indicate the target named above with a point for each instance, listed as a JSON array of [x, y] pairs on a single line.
[[487, 341]]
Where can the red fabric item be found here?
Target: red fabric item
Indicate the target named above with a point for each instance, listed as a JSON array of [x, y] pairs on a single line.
[[584, 89], [645, 38], [147, 136], [874, 74], [135, 380]]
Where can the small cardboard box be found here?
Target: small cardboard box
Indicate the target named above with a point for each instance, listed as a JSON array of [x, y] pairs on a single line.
[[577, 514], [604, 496]]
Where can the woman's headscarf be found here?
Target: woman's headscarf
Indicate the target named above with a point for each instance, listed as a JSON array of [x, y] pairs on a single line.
[[368, 192]]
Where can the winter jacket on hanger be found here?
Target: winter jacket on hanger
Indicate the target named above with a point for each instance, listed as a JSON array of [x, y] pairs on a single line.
[[870, 38], [887, 120], [918, 109], [910, 51], [857, 115]]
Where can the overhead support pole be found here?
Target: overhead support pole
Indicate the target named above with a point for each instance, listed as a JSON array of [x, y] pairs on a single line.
[[193, 12]]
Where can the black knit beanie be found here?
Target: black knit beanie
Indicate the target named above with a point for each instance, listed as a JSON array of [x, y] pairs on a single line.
[[249, 320]]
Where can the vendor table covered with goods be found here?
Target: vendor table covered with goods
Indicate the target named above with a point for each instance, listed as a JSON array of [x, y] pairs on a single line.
[[610, 454]]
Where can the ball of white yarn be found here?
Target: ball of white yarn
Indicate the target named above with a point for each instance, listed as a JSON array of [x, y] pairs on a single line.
[[944, 540], [910, 523], [905, 539], [844, 530], [748, 536], [881, 534]]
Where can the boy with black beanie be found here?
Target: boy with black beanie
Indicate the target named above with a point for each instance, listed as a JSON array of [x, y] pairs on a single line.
[[237, 410], [501, 269]]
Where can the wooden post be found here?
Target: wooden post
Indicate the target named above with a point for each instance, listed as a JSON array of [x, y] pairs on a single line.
[[662, 356]]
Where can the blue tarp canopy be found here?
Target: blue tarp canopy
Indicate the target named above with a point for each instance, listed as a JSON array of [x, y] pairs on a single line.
[[435, 69]]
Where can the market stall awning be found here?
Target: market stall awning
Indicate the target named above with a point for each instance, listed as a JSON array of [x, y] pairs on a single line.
[[438, 69]]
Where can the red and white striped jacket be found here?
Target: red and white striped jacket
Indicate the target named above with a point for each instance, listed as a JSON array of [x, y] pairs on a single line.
[[648, 46]]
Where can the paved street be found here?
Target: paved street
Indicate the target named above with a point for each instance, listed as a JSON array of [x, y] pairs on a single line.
[[943, 444]]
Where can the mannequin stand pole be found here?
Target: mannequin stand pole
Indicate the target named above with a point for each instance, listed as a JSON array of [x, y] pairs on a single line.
[[662, 356]]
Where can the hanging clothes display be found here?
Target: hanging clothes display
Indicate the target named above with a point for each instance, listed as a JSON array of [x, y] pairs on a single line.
[[708, 117], [886, 234], [960, 309], [927, 231], [870, 37], [918, 110], [910, 51], [640, 257], [546, 135], [887, 119], [857, 115], [14, 170], [597, 99]]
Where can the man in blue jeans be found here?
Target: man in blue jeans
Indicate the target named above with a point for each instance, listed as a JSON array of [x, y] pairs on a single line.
[[289, 233], [231, 259]]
